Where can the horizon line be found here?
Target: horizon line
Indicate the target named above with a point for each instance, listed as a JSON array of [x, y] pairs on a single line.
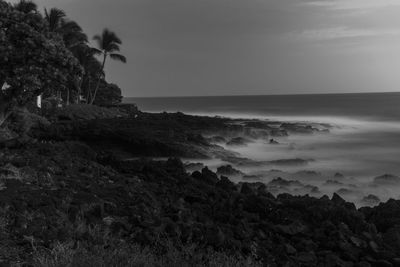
[[238, 95]]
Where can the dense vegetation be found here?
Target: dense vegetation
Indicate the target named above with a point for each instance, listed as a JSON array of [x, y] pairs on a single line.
[[49, 54]]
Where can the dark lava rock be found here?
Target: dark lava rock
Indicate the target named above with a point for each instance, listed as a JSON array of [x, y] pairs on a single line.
[[371, 200], [228, 170], [337, 199], [194, 166], [344, 192], [69, 191], [273, 142], [277, 132], [384, 216], [279, 182], [206, 176]]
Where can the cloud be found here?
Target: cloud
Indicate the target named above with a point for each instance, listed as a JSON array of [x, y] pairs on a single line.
[[352, 4], [184, 47], [330, 34]]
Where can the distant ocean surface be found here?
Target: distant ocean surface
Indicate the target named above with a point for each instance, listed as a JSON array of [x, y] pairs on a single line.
[[364, 142], [374, 106]]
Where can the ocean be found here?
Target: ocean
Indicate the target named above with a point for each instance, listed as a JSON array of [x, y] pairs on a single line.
[[364, 142]]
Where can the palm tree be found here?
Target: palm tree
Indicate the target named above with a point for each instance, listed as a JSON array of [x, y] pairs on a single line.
[[26, 6], [73, 36], [72, 33], [91, 66], [108, 43], [54, 18]]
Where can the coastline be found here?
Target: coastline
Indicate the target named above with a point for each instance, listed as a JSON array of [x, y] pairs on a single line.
[[77, 174]]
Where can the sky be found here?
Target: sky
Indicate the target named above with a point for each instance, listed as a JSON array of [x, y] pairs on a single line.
[[247, 47]]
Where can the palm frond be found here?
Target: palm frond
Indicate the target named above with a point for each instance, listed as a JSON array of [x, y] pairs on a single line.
[[54, 18], [96, 51], [118, 57], [112, 47]]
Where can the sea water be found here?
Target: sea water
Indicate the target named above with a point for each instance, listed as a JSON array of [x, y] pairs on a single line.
[[364, 142]]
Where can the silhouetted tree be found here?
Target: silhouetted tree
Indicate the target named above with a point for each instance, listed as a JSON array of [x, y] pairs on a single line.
[[108, 44], [26, 6], [54, 18], [108, 94], [33, 60]]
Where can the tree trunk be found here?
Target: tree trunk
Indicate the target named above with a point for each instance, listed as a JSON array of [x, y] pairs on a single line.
[[78, 100], [99, 79], [68, 92], [89, 92]]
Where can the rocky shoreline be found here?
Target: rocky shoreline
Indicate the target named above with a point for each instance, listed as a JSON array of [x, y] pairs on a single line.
[[70, 193]]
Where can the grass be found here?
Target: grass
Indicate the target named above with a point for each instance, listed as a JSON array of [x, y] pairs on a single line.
[[105, 251], [121, 255]]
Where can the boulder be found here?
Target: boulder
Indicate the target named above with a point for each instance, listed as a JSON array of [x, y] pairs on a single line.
[[206, 176], [228, 170], [338, 199], [193, 166], [370, 200]]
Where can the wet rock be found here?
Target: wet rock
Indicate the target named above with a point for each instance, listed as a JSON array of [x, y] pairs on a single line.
[[228, 170], [344, 192], [273, 142], [279, 182], [337, 199], [206, 176], [194, 166], [277, 132], [370, 200], [299, 128]]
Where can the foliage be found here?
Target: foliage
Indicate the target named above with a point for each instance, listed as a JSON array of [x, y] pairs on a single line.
[[108, 43], [33, 60], [108, 94], [49, 54]]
